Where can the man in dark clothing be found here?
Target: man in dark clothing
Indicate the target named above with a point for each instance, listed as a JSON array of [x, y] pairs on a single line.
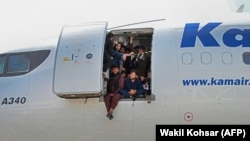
[[115, 85], [132, 86], [142, 62], [108, 54]]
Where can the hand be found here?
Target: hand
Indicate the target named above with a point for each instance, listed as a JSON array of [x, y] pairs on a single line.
[[124, 56], [132, 92], [123, 69], [131, 39], [111, 94]]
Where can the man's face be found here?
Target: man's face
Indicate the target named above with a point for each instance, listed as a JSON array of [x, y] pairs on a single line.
[[140, 50], [115, 70], [132, 76], [112, 38]]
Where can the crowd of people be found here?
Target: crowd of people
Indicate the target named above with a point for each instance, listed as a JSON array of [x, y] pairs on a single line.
[[127, 71]]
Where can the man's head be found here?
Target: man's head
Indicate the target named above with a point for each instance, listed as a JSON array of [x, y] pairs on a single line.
[[141, 49], [110, 36], [133, 75], [115, 69]]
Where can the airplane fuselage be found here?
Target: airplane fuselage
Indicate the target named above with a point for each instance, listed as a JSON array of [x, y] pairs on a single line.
[[200, 75]]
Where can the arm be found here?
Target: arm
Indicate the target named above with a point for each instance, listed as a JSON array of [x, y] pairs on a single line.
[[116, 53], [120, 85], [130, 46]]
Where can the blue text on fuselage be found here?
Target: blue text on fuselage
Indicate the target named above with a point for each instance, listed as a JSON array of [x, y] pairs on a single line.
[[192, 31]]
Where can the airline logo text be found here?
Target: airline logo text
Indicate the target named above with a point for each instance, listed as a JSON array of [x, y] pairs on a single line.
[[233, 37]]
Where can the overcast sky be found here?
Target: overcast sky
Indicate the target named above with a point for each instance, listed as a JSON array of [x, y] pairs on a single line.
[[26, 20]]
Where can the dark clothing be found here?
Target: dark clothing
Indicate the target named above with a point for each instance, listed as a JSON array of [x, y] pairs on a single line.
[[106, 62], [108, 54], [131, 48], [142, 62], [128, 85], [147, 85], [111, 101], [115, 85], [117, 58], [127, 64], [108, 47]]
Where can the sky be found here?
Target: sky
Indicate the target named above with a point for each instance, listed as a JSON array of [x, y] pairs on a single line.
[[23, 21]]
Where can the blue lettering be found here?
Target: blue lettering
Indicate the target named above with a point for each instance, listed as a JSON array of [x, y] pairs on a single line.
[[231, 38], [246, 38], [191, 31], [213, 81]]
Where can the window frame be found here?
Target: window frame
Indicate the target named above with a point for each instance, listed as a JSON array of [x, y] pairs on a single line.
[[36, 58], [247, 62], [25, 55], [3, 64]]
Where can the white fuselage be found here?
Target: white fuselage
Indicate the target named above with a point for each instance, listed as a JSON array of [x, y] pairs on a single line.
[[191, 85]]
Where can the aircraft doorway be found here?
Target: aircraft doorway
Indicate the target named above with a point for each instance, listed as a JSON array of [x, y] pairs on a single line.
[[79, 58], [131, 40]]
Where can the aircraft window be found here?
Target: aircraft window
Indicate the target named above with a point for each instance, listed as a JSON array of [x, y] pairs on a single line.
[[18, 63], [246, 58], [187, 58], [227, 58], [21, 63], [206, 58], [14, 64], [2, 64]]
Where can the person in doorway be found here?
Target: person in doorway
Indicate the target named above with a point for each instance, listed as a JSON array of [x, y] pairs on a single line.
[[108, 54], [118, 55], [142, 62], [132, 86], [115, 85]]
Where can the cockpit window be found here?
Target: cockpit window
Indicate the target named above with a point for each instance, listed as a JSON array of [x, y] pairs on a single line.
[[2, 64], [18, 63], [15, 64]]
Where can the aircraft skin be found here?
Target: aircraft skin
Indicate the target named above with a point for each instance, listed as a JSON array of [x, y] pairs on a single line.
[[200, 75]]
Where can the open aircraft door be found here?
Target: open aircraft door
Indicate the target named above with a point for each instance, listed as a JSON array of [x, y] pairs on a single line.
[[79, 61]]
